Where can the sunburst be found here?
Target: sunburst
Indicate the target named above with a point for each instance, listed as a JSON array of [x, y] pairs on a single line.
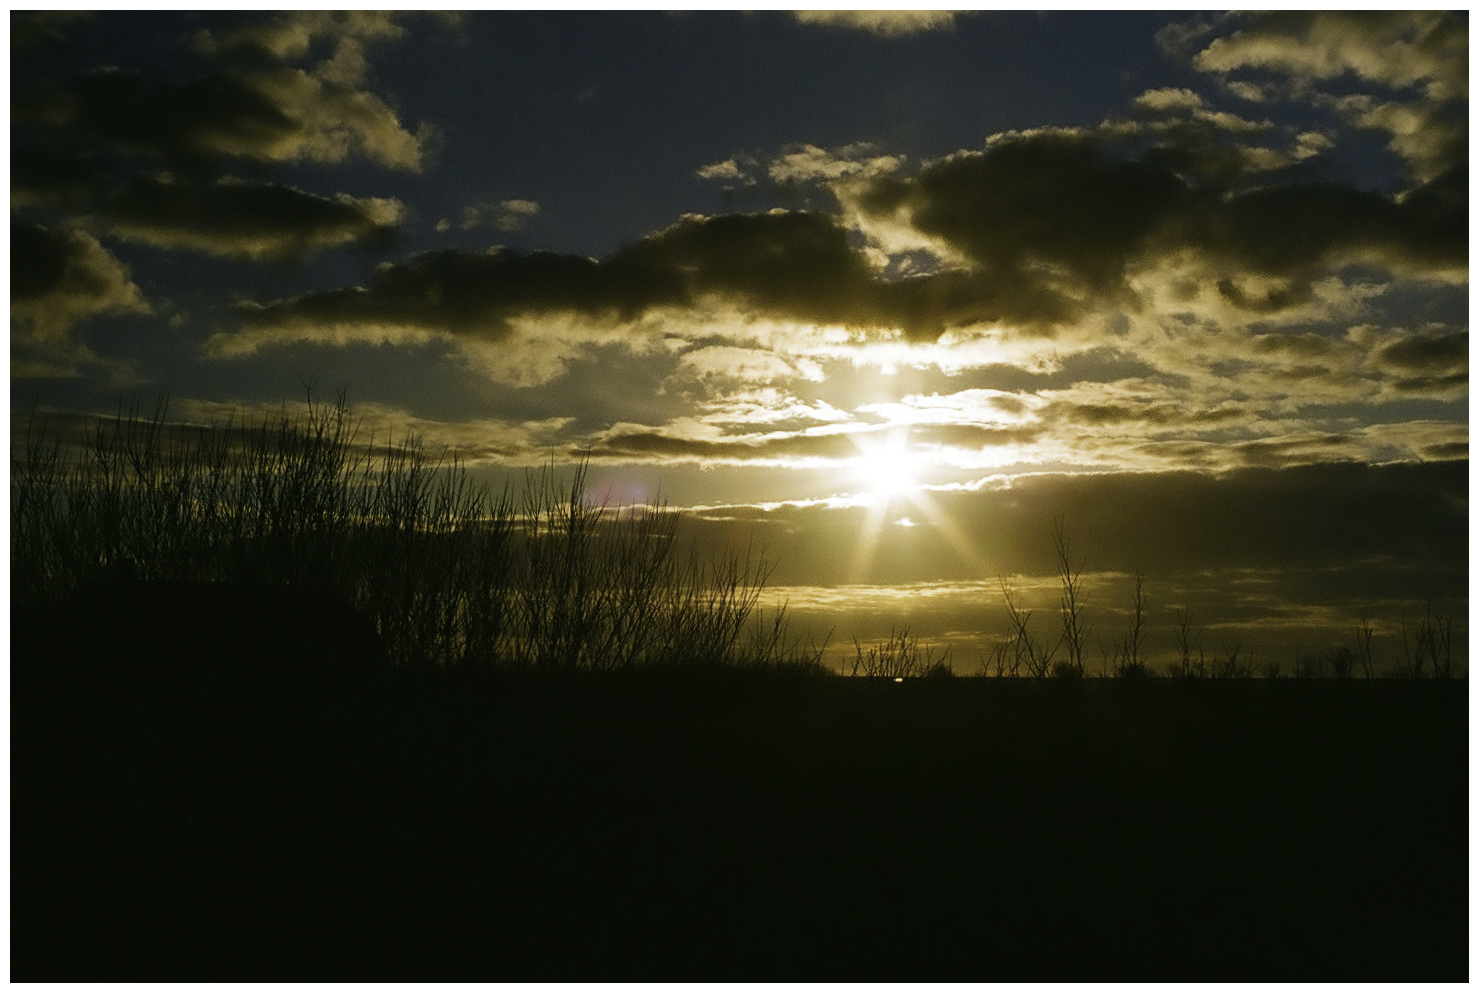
[[888, 467], [891, 472]]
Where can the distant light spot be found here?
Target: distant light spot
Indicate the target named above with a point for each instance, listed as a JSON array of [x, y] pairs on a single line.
[[898, 679]]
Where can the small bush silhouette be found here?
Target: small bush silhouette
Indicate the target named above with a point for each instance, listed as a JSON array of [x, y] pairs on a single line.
[[1134, 672], [900, 657], [1066, 672], [1341, 662]]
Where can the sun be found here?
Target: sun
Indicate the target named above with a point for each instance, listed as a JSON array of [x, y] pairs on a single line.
[[887, 467], [889, 476], [892, 478]]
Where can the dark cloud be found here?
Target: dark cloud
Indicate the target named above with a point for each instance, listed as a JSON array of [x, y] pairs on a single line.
[[1432, 363], [1318, 514], [1272, 558], [831, 446], [1452, 450], [48, 265], [1280, 452], [1294, 346], [1051, 224], [797, 266], [1413, 65], [1031, 209], [1304, 229], [58, 278], [464, 292], [253, 100], [32, 30], [41, 176], [1428, 352], [1268, 300], [246, 220], [803, 266], [791, 266], [974, 437], [1365, 517], [190, 124], [648, 444], [264, 91], [1150, 414], [1050, 227]]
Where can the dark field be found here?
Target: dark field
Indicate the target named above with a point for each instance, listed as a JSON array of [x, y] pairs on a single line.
[[736, 826]]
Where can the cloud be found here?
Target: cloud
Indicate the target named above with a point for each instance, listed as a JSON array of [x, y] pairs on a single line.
[[32, 30], [1432, 362], [270, 90], [1419, 61], [1204, 242], [1431, 138], [1172, 104], [1398, 49], [476, 440], [774, 407], [1168, 99], [252, 221], [59, 278], [1269, 399], [729, 170], [808, 163], [1344, 533], [459, 292], [1278, 560], [774, 262], [1428, 352], [254, 102], [884, 23], [799, 164], [702, 444], [506, 215], [1186, 134], [1055, 224], [42, 176], [1041, 220], [794, 267], [730, 362], [1041, 241], [839, 442]]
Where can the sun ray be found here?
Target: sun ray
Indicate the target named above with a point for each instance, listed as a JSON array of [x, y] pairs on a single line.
[[891, 472]]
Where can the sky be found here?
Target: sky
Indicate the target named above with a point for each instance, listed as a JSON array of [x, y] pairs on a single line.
[[882, 294]]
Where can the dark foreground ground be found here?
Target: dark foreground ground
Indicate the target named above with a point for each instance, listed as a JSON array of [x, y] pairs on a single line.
[[738, 828]]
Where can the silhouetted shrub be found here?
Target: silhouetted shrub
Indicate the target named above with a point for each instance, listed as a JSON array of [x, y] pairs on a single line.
[[899, 657], [1066, 672], [1341, 662], [1134, 672]]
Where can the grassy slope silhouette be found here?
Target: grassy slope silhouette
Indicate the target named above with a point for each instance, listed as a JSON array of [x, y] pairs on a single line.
[[587, 757]]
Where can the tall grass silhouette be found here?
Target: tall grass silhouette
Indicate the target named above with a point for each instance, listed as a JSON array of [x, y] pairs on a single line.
[[450, 573], [1427, 645]]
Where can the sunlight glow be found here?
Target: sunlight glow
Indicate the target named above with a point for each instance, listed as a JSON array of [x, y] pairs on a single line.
[[887, 466], [892, 473]]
